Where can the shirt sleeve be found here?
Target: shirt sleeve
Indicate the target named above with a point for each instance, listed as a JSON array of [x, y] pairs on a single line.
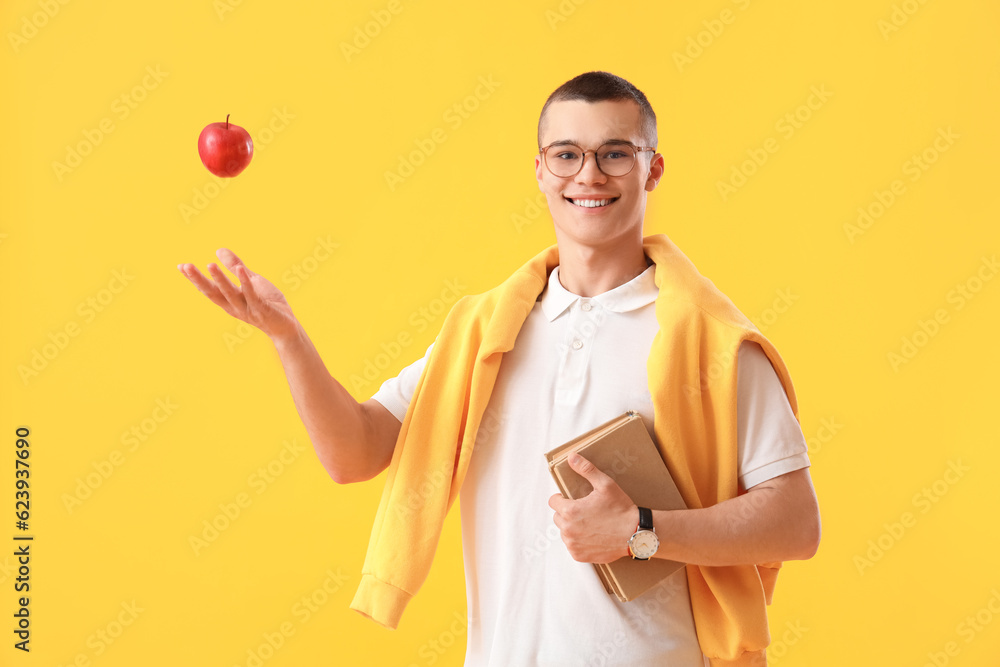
[[770, 439], [395, 393]]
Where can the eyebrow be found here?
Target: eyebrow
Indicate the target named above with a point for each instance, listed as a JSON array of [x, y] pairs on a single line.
[[572, 142]]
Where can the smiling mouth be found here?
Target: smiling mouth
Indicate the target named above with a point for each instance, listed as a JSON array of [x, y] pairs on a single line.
[[591, 203]]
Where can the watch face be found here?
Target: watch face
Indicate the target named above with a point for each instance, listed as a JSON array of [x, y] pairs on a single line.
[[644, 544]]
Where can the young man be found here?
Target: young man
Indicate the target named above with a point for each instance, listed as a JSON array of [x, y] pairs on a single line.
[[603, 322]]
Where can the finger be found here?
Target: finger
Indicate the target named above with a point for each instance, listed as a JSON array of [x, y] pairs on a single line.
[[236, 265], [192, 273], [554, 501], [560, 505], [588, 471], [243, 274], [229, 291], [204, 285], [229, 258], [249, 293]]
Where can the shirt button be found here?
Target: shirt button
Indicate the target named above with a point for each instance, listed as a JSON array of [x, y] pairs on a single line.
[[577, 344], [586, 305]]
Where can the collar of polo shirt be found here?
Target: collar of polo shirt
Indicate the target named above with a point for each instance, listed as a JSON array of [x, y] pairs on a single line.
[[634, 294]]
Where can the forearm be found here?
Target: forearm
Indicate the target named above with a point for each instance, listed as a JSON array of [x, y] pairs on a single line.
[[758, 527], [336, 423]]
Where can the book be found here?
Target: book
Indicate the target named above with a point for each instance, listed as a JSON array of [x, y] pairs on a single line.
[[622, 449]]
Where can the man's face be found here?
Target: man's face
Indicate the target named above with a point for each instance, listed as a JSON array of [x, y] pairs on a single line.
[[589, 125]]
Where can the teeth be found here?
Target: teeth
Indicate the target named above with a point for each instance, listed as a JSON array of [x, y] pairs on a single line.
[[591, 203]]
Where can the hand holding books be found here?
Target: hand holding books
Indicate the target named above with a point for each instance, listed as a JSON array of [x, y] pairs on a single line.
[[631, 474], [595, 527]]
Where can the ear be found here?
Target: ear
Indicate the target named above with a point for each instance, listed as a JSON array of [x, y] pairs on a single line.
[[538, 171], [656, 169]]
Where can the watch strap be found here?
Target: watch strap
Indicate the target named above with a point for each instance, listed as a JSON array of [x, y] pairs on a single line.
[[645, 518]]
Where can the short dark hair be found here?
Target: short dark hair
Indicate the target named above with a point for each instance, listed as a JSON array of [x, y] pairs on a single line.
[[599, 87]]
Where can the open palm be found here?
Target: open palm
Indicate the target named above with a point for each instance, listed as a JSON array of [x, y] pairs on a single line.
[[255, 300]]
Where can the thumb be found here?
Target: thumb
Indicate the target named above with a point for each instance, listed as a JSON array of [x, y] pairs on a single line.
[[588, 471]]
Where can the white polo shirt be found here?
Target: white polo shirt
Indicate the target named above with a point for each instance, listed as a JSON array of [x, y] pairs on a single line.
[[578, 362]]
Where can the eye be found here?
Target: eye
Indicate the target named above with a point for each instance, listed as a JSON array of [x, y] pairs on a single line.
[[567, 155]]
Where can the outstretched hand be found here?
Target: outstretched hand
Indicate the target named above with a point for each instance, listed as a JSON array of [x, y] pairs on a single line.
[[595, 528], [255, 300]]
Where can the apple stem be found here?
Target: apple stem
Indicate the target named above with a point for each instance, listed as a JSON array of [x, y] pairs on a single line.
[[227, 121]]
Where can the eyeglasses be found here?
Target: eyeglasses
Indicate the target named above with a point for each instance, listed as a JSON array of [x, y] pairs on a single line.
[[613, 158]]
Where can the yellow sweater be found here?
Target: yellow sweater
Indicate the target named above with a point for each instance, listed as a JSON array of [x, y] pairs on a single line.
[[692, 380]]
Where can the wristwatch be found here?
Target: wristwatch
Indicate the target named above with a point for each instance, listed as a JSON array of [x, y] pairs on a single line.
[[644, 542]]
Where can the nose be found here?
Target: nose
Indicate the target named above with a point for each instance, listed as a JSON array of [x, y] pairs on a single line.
[[590, 173]]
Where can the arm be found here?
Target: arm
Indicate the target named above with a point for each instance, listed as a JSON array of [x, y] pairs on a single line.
[[776, 520], [354, 441]]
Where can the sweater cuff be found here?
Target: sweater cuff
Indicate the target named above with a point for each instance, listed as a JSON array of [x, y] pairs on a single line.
[[380, 601], [747, 659]]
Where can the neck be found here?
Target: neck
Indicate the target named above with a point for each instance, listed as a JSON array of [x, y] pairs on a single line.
[[589, 271]]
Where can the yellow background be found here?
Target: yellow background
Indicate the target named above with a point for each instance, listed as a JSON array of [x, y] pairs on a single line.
[[328, 124]]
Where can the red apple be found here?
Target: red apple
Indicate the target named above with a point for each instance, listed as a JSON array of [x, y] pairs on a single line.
[[225, 149]]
